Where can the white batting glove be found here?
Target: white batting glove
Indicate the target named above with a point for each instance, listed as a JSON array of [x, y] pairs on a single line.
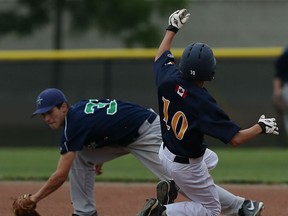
[[177, 20], [268, 125]]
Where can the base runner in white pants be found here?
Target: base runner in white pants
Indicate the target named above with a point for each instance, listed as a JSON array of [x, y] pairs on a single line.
[[97, 131], [188, 113]]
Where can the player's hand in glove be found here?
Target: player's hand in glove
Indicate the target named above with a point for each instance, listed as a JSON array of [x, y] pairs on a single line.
[[24, 206], [177, 20], [268, 125]]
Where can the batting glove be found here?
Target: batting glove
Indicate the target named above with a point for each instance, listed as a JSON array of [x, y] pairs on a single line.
[[268, 125], [177, 20]]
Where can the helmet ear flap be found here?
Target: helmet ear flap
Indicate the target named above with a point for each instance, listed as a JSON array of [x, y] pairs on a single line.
[[198, 62]]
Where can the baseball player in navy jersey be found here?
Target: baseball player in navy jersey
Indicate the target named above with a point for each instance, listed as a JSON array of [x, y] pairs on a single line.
[[280, 89], [96, 131], [187, 113]]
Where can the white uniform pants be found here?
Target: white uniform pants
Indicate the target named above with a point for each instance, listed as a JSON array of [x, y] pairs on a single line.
[[145, 149], [195, 181]]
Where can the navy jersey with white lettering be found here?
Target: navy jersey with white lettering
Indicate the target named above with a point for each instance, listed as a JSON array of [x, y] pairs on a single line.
[[188, 112], [98, 123]]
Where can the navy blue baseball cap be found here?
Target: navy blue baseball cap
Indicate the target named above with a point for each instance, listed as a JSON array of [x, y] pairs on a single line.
[[48, 99]]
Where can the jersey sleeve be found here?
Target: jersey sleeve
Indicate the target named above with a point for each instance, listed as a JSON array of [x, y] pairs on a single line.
[[164, 66], [73, 138], [217, 123]]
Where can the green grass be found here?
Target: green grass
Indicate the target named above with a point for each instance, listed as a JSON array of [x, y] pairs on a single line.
[[27, 163], [257, 165], [243, 165]]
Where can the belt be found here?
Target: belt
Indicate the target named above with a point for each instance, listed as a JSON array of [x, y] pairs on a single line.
[[152, 117], [180, 159]]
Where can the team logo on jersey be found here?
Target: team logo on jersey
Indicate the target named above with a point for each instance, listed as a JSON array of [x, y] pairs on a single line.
[[92, 145], [181, 91]]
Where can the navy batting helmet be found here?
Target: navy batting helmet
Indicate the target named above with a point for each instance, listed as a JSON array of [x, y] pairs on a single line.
[[198, 62]]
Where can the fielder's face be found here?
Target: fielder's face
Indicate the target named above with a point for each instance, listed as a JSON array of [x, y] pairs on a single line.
[[56, 116]]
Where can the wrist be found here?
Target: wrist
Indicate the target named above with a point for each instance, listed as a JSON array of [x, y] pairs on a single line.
[[172, 28], [33, 198], [262, 126]]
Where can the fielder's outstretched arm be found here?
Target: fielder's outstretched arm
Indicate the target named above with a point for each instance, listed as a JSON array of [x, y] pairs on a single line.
[[57, 178]]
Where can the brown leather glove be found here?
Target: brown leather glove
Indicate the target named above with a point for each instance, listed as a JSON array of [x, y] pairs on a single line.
[[23, 206]]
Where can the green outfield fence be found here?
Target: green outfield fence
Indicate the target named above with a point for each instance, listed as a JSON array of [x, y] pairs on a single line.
[[242, 86]]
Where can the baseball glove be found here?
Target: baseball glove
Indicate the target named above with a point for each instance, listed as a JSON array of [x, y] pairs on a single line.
[[23, 206]]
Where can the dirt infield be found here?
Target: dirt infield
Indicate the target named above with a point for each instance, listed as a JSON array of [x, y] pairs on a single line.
[[125, 199]]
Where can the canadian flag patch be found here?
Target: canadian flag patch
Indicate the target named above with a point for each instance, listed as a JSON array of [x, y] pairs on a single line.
[[181, 91], [170, 63]]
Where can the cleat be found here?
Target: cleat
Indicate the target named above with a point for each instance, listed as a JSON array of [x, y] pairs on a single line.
[[152, 208], [251, 208], [166, 192]]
